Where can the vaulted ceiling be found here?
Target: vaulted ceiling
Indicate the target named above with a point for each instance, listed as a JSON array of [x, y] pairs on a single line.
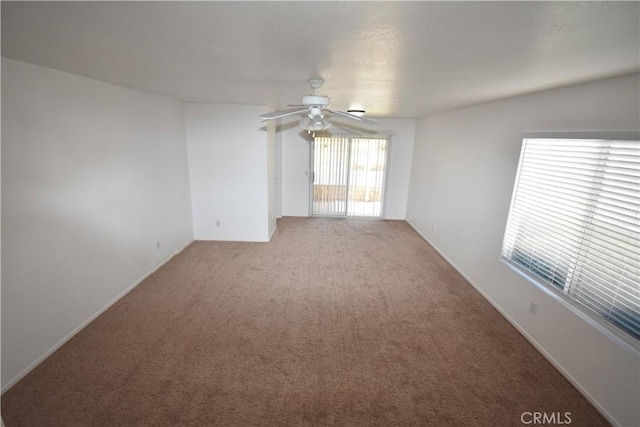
[[395, 59]]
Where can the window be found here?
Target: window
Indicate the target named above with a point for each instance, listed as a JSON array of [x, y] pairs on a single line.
[[574, 224]]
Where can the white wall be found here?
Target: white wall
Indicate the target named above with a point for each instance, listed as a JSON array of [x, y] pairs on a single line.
[[464, 165], [278, 177], [93, 175], [402, 137], [296, 168], [228, 171], [272, 177]]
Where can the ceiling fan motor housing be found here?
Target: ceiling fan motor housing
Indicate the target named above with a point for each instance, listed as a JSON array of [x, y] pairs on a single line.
[[316, 100]]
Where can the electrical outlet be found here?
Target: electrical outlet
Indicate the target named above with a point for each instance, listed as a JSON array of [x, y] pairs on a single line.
[[157, 245], [217, 223], [533, 308]]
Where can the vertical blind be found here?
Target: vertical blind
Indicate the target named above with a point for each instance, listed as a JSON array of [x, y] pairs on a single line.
[[574, 223], [366, 176], [330, 175]]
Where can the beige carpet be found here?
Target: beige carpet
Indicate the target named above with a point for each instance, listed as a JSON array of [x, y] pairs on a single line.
[[334, 322]]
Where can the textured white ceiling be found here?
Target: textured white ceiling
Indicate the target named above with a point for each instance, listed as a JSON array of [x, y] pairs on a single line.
[[395, 59]]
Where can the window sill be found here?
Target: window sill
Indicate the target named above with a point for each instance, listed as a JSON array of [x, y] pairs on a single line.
[[610, 331]]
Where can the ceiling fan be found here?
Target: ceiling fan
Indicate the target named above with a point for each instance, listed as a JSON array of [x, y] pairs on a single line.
[[314, 107]]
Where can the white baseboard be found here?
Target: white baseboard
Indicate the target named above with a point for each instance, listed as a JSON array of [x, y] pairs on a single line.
[[272, 231], [89, 320], [524, 333]]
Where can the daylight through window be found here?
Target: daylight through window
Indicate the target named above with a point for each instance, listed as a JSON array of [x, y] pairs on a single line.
[[574, 223]]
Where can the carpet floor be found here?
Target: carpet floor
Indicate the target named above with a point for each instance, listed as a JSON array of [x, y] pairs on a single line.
[[334, 322]]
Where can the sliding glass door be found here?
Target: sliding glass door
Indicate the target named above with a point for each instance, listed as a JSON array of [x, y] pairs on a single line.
[[330, 175], [349, 175]]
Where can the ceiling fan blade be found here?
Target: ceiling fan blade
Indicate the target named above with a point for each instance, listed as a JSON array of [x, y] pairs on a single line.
[[283, 113], [341, 130], [353, 129], [353, 116]]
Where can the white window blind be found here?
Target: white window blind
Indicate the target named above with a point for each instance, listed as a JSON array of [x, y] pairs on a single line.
[[574, 223]]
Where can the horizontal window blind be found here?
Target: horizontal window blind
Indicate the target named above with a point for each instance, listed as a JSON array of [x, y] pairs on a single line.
[[574, 223]]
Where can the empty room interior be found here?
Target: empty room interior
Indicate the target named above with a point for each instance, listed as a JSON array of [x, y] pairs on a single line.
[[320, 213]]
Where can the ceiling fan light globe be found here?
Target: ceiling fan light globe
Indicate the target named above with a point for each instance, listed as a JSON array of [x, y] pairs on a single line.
[[305, 123], [317, 123]]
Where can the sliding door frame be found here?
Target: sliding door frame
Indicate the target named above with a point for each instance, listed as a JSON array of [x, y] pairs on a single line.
[[385, 180]]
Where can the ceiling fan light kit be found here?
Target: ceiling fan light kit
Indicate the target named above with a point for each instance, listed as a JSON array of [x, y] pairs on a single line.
[[314, 107], [314, 124]]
